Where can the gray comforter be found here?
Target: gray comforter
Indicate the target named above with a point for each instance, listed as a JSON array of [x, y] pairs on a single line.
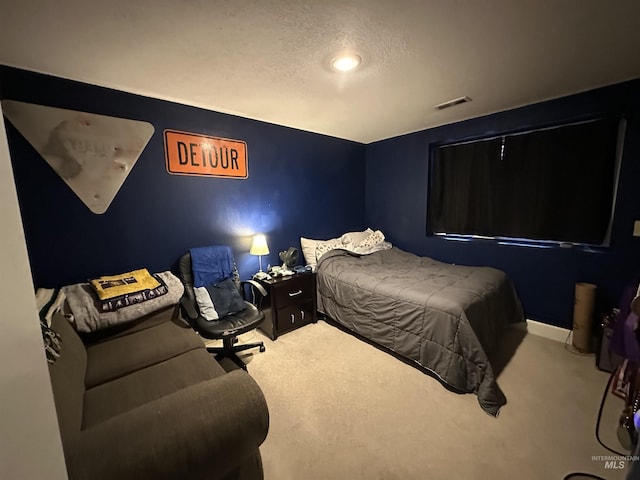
[[444, 317]]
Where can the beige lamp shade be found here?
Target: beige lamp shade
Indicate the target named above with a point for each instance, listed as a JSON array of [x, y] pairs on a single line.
[[259, 245]]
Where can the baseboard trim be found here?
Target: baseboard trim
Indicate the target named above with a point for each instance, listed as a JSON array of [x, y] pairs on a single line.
[[545, 330]]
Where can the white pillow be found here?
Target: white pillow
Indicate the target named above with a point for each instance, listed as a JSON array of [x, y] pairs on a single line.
[[309, 250], [355, 237], [310, 246], [205, 304]]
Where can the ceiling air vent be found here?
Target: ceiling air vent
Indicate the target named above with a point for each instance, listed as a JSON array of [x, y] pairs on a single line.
[[451, 103]]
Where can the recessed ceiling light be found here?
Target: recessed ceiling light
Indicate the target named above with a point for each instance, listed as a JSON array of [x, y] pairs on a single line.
[[346, 62]]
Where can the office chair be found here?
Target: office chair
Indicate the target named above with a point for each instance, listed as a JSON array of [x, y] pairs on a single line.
[[228, 327]]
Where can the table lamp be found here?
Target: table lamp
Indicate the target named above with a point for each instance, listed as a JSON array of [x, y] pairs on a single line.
[[259, 247]]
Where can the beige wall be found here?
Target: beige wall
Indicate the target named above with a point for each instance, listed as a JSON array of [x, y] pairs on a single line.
[[30, 445]]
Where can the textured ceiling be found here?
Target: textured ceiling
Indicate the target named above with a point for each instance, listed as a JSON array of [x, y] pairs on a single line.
[[268, 60]]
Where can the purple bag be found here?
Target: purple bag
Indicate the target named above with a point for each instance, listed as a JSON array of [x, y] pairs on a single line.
[[624, 341]]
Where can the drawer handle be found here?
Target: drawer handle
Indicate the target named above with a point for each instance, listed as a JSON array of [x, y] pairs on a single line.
[[295, 293]]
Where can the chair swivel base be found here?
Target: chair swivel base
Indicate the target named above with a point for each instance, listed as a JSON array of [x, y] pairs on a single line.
[[230, 351]]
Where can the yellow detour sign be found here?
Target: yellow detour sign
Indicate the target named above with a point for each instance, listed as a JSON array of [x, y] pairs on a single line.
[[193, 154]]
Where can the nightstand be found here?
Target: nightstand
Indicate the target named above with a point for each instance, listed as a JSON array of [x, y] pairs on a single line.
[[290, 303]]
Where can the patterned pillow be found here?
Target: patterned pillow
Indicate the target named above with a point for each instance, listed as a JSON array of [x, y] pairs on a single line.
[[374, 239], [324, 247], [309, 247], [352, 238]]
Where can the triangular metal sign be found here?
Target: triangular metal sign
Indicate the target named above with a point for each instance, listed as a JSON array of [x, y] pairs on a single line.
[[92, 153]]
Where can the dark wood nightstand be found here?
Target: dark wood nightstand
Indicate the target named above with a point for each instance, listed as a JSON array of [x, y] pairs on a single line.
[[290, 303]]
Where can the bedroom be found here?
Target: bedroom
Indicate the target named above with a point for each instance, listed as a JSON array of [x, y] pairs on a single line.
[[285, 198]]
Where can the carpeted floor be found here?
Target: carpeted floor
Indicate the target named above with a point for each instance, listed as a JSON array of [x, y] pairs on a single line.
[[342, 409]]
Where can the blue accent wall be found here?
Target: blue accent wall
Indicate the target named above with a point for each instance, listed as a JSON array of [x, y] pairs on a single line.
[[300, 184], [396, 203]]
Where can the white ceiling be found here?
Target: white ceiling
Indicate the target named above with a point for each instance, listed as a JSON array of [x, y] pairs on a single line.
[[268, 59]]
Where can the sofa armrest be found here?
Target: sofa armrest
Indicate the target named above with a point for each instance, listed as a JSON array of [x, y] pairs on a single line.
[[205, 430]]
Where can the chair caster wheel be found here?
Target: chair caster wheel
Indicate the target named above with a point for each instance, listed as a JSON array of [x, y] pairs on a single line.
[[262, 349]]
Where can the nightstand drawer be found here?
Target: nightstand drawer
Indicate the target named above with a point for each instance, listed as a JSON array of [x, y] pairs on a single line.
[[294, 316], [295, 290]]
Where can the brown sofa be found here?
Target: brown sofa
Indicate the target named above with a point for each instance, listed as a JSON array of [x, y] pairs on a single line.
[[146, 401]]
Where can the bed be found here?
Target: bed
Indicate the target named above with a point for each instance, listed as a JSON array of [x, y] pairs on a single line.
[[444, 317]]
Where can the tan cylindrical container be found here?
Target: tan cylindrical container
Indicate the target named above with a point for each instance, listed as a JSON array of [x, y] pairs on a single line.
[[582, 316]]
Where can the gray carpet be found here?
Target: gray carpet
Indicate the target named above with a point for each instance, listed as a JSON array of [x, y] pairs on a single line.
[[342, 409]]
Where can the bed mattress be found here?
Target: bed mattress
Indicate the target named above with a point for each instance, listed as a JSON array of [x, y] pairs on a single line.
[[444, 317]]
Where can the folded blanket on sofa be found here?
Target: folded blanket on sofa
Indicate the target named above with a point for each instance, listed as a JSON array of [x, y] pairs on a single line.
[[114, 286], [49, 301], [127, 299], [85, 307]]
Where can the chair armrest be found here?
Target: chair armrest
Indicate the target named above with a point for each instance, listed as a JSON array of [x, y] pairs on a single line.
[[207, 429], [253, 284]]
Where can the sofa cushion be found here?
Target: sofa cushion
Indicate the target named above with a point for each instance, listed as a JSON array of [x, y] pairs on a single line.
[[206, 431], [125, 393], [108, 360]]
